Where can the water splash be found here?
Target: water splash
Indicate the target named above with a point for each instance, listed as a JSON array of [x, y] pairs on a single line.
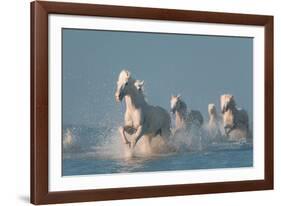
[[70, 141], [104, 142]]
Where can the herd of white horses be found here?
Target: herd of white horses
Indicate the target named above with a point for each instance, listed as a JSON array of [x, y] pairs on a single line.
[[146, 122]]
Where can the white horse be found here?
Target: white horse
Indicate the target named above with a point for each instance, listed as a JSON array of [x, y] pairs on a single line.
[[213, 126], [235, 120], [184, 119], [141, 119]]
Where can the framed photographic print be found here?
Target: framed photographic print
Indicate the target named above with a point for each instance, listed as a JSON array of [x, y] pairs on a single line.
[[131, 102]]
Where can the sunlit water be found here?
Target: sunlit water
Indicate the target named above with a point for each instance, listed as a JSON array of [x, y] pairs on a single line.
[[100, 151]]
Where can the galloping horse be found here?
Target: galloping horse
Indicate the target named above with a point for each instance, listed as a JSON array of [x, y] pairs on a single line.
[[214, 123], [235, 120], [141, 119], [184, 119]]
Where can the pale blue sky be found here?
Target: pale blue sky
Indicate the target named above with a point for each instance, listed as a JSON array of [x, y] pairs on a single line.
[[200, 68]]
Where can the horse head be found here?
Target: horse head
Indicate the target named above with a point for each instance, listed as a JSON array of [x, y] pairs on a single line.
[[123, 84], [139, 85], [227, 102], [175, 102], [212, 109]]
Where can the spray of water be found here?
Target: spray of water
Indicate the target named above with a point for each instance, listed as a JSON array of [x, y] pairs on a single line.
[[104, 142]]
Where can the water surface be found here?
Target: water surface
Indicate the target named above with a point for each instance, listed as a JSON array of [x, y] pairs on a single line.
[[104, 154]]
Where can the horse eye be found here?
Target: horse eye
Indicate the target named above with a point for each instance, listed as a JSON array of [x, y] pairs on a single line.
[[126, 83]]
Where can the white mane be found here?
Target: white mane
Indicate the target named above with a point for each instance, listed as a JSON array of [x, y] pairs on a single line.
[[124, 76], [226, 99]]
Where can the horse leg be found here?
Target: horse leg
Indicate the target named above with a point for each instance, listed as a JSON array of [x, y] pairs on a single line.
[[166, 137], [146, 144], [165, 134], [123, 136], [226, 131], [137, 136]]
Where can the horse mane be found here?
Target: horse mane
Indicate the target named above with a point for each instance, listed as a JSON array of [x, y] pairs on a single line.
[[183, 107], [231, 104], [182, 104]]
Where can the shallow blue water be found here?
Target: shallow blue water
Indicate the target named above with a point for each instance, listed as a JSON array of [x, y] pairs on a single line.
[[95, 152], [182, 161]]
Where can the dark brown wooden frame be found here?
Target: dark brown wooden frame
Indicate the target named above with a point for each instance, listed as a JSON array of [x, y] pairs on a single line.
[[39, 102]]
